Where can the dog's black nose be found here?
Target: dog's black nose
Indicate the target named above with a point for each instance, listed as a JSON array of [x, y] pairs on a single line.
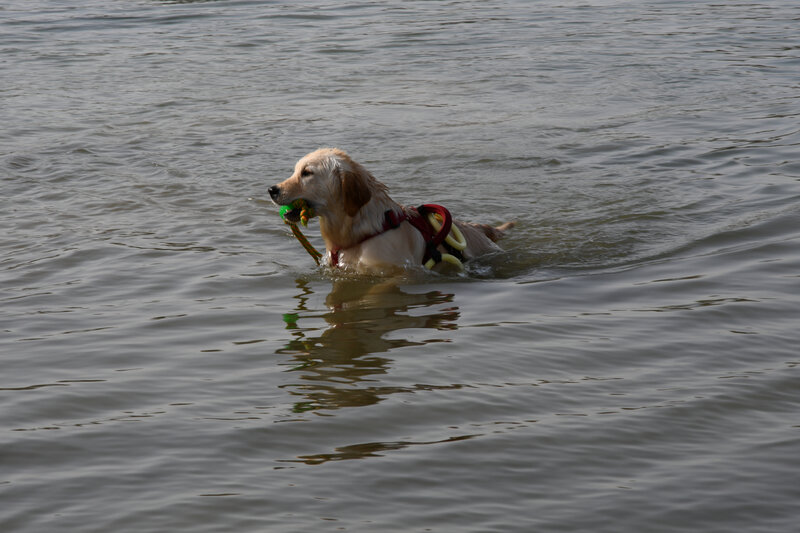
[[274, 191]]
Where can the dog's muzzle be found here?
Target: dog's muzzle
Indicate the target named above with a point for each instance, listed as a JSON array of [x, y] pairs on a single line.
[[274, 192]]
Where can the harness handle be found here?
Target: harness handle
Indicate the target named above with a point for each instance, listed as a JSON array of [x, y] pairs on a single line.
[[447, 222], [434, 240]]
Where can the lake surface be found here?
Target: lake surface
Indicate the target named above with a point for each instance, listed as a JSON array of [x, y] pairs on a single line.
[[172, 360]]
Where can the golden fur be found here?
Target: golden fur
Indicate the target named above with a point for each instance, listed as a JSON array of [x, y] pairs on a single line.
[[351, 204]]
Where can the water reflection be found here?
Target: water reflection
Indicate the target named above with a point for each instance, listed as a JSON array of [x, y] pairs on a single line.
[[369, 449], [337, 360]]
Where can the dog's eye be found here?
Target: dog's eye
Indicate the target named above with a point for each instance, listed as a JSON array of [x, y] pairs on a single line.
[[306, 172]]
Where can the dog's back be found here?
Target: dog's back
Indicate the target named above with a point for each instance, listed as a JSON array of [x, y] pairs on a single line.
[[481, 238]]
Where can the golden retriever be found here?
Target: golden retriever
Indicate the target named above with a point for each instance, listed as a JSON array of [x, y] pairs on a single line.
[[352, 206]]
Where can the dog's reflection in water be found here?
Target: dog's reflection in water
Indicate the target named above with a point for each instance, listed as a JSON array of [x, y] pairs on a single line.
[[337, 361]]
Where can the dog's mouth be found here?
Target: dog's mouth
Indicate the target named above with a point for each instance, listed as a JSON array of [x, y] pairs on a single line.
[[293, 215], [298, 211]]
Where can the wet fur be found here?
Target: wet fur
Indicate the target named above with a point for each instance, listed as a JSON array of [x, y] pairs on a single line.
[[351, 204]]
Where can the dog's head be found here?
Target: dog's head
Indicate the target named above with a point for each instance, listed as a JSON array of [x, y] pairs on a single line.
[[329, 181]]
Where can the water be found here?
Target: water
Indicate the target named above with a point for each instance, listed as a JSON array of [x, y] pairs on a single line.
[[173, 361]]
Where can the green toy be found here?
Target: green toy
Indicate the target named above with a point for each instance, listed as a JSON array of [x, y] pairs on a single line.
[[305, 211]]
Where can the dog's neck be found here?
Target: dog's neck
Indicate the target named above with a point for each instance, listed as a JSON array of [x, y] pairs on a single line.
[[340, 231]]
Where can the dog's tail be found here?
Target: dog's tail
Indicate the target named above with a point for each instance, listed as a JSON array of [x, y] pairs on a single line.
[[495, 233]]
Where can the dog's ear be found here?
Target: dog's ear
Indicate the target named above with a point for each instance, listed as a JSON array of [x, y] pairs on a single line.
[[355, 191]]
